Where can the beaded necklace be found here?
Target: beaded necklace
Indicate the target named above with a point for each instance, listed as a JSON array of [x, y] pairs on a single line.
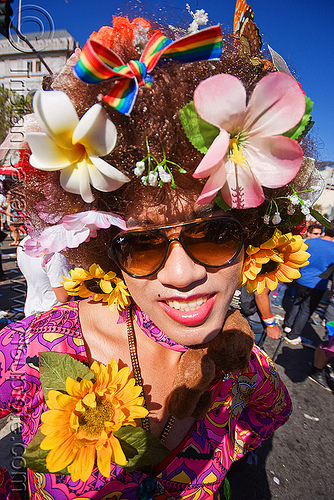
[[138, 378]]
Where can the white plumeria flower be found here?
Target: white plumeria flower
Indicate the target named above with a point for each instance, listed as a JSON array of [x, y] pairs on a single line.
[[74, 146], [153, 178], [144, 180], [276, 218], [139, 169], [164, 176]]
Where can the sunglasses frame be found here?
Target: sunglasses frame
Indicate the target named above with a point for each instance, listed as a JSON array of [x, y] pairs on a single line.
[[184, 225]]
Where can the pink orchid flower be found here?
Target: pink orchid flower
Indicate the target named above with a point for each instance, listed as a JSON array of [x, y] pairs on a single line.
[[93, 220], [74, 230], [249, 151], [55, 239]]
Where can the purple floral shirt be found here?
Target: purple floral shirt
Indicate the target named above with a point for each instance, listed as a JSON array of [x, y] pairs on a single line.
[[246, 409]]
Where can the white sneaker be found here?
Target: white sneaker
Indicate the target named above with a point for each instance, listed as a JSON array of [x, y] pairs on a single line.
[[295, 341]]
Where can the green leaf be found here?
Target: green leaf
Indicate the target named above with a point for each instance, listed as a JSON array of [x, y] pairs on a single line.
[[148, 448], [200, 133], [320, 218], [55, 367], [227, 489], [219, 200], [34, 458], [296, 131]]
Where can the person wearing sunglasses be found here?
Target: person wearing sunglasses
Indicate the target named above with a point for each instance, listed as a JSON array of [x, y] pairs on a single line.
[[164, 180]]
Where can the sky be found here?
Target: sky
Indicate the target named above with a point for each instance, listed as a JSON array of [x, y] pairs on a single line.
[[301, 31]]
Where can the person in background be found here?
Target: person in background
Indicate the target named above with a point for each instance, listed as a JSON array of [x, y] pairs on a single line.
[[322, 354], [13, 218], [256, 309], [3, 206], [43, 277], [329, 313], [310, 287], [314, 231], [2, 273], [325, 350]]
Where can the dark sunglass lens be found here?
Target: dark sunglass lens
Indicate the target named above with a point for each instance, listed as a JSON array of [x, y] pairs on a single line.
[[214, 242], [139, 253]]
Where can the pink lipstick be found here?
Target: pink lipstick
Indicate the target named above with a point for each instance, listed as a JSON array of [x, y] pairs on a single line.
[[190, 312]]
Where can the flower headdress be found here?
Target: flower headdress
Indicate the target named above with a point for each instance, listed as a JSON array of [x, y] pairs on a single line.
[[241, 137]]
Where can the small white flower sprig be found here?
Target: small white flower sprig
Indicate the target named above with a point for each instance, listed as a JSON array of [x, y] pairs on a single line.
[[158, 172], [200, 18], [294, 199], [305, 204]]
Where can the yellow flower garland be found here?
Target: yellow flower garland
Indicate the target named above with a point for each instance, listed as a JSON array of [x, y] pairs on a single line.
[[101, 286], [276, 260], [80, 423]]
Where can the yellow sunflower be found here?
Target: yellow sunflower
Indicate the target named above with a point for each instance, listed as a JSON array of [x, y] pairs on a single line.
[[276, 260], [101, 286], [79, 425]]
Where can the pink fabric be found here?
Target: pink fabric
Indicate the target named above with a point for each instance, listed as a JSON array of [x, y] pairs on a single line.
[[329, 348], [246, 408], [154, 333]]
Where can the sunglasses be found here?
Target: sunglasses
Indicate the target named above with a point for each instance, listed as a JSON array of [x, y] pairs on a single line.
[[214, 242]]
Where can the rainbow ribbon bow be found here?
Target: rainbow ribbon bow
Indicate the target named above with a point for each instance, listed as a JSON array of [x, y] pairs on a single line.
[[97, 63]]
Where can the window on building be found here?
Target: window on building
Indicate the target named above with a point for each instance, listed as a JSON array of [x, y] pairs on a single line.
[[29, 66], [38, 66]]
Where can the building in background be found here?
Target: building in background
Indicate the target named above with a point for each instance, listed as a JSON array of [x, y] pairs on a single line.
[[326, 199], [21, 70]]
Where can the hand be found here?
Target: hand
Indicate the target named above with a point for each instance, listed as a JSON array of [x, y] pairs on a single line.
[[274, 332]]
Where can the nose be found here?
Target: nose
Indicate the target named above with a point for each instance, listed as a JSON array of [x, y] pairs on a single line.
[[179, 270]]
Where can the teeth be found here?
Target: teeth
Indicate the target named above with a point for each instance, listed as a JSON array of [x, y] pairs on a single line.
[[187, 306]]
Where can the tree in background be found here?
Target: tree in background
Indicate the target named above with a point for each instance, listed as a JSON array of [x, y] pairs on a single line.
[[12, 106]]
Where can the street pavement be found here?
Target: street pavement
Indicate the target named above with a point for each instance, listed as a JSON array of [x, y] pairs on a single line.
[[297, 462]]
